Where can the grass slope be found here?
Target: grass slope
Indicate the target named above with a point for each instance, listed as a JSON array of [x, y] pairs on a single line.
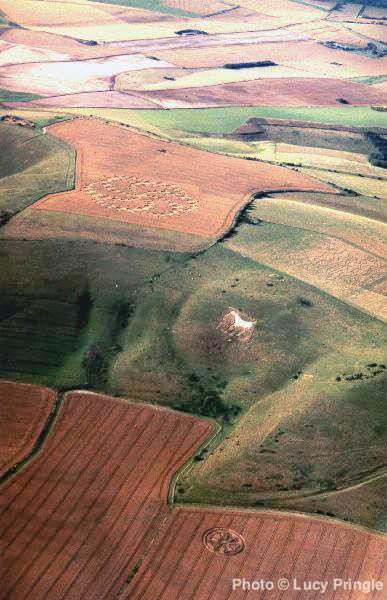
[[144, 323], [45, 165]]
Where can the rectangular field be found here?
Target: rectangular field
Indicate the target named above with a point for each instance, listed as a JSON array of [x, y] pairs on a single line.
[[75, 521]]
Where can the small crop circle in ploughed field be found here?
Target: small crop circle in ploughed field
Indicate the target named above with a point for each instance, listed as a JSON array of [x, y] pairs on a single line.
[[223, 541], [127, 193]]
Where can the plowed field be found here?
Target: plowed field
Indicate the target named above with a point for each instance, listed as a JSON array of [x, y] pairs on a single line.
[[195, 559], [23, 413], [74, 522]]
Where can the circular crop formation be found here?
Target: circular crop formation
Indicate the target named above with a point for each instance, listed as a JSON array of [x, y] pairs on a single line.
[[143, 196], [223, 541]]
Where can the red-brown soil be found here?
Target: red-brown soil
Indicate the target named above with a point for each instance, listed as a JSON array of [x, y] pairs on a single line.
[[24, 410], [267, 546], [270, 92], [186, 190], [75, 521]]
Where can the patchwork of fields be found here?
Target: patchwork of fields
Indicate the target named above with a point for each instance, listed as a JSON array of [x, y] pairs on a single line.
[[192, 216], [157, 53]]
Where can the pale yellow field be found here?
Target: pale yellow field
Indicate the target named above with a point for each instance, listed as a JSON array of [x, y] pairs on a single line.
[[320, 158], [365, 233], [44, 13], [202, 78], [361, 185], [376, 32], [281, 153], [284, 9], [200, 7], [327, 263]]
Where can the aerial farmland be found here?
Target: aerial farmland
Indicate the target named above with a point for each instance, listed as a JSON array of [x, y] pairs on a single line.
[[193, 315]]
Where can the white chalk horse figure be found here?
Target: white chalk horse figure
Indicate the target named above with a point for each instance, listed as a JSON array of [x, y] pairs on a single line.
[[235, 324]]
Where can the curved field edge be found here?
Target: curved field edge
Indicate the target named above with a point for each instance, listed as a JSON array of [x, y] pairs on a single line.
[[40, 432], [24, 183], [131, 492]]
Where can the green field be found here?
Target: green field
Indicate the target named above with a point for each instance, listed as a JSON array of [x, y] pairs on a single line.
[[221, 120], [8, 96], [226, 120]]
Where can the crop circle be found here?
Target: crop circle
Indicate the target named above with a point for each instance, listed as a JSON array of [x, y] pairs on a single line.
[[127, 193], [223, 541]]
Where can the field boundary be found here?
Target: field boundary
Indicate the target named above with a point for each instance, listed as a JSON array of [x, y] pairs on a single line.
[[272, 512], [41, 438]]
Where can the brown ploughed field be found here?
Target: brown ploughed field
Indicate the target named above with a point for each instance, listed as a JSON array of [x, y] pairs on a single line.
[[24, 410], [75, 521], [201, 551], [194, 191]]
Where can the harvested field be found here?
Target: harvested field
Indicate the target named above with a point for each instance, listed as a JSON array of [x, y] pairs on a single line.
[[193, 192], [215, 546], [286, 92], [29, 13], [363, 233], [363, 206], [314, 59], [15, 54], [200, 7], [329, 263], [362, 185], [373, 32], [81, 76], [285, 10], [89, 22], [89, 472], [24, 410], [76, 50], [201, 78], [107, 99]]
